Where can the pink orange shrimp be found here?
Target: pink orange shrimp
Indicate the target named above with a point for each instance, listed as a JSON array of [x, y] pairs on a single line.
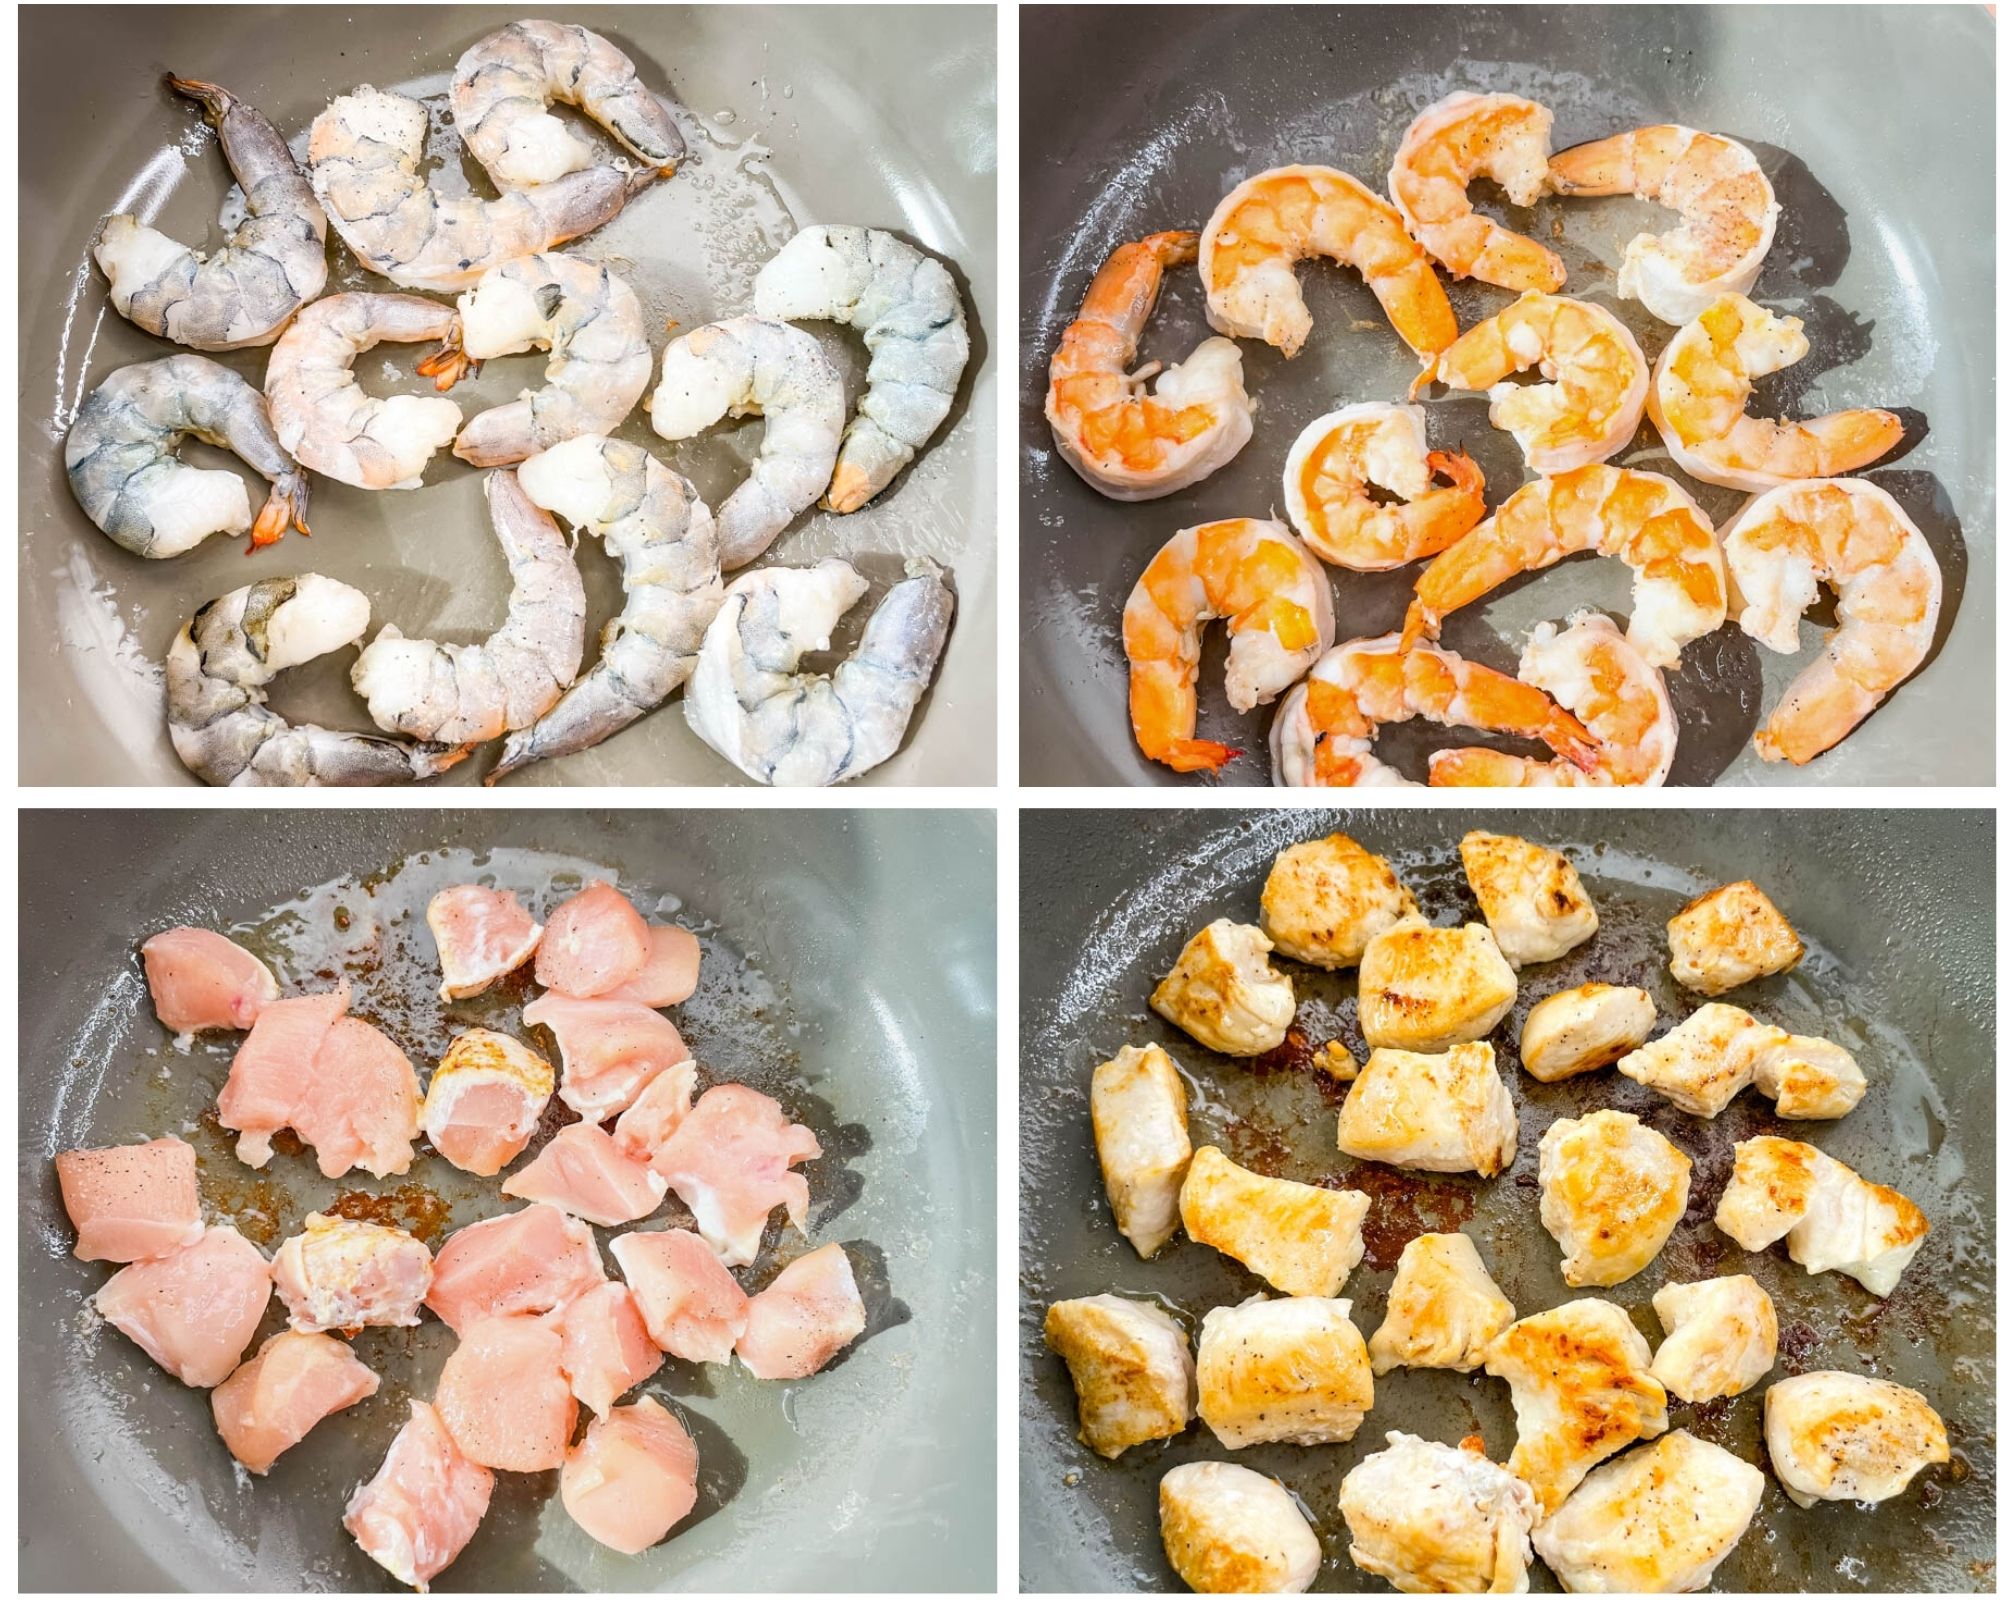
[[1466, 136]]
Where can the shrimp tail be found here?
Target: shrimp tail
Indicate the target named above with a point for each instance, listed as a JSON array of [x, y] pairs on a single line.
[[1571, 740], [285, 508], [448, 363], [1419, 623], [216, 102], [1197, 755]]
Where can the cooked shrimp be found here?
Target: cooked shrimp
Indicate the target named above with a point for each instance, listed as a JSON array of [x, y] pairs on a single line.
[[749, 702], [652, 520], [124, 473], [1703, 383], [363, 155], [1594, 671], [746, 367], [1852, 535], [1122, 441], [1268, 224], [1280, 612], [1728, 213], [1678, 584], [1466, 136], [1323, 732], [217, 670], [502, 89], [1332, 465], [908, 313], [1596, 393], [594, 330], [272, 263]]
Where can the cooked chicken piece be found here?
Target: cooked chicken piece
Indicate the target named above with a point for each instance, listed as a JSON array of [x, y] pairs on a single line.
[[341, 1274], [1229, 1530], [1722, 1336], [1811, 1079], [1658, 1520], [1130, 1363], [1840, 1436], [1612, 1190], [1336, 1061], [1728, 937], [1444, 1308], [1430, 988], [1705, 1062], [1582, 1392], [1830, 1217], [1225, 992], [1326, 898], [1437, 1113], [1437, 1520], [1139, 1111], [1533, 899], [1298, 1237], [1291, 1371], [1582, 1029]]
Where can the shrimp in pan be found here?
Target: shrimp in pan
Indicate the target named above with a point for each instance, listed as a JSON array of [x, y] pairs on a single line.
[[1596, 393], [1279, 608], [1269, 223], [1123, 442], [1336, 460], [1679, 589], [1853, 535], [1466, 136], [1702, 384]]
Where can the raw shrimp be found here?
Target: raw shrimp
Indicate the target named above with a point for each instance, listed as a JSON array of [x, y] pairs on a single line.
[[749, 702], [468, 693], [363, 155], [1592, 670], [1679, 589], [502, 88], [1326, 726], [322, 415], [907, 309], [753, 366], [1596, 393], [1333, 463], [1702, 385], [1280, 612], [270, 265], [652, 520], [123, 471], [1122, 441], [1852, 535], [1728, 213], [1267, 224], [594, 330], [1466, 136], [232, 648]]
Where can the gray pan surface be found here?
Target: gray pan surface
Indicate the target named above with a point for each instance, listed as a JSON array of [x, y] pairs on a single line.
[[1137, 120], [1896, 910], [883, 116], [876, 1474]]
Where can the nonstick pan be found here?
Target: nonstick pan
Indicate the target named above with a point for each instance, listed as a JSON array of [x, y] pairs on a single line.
[[875, 1474], [1896, 910], [1136, 119]]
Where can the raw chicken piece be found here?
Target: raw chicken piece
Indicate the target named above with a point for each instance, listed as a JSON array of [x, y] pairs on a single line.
[[1840, 1436], [1705, 1062], [362, 1106], [504, 1396], [196, 1310], [485, 1098], [1811, 1079], [595, 942], [803, 1317], [1430, 988], [280, 1394], [1722, 1336], [534, 1259], [1325, 899], [201, 980], [423, 1505], [692, 1306], [611, 1050], [271, 1075], [345, 1274], [1532, 897], [730, 1161], [1224, 991], [1830, 1217], [631, 1477], [1298, 1237], [606, 1349], [644, 1127], [1613, 1189], [1138, 1111], [1290, 1371], [482, 935], [1444, 1308], [1435, 1113], [582, 1172], [1728, 937], [1229, 1530], [1437, 1520], [131, 1202], [1584, 1028], [671, 972], [1131, 1368], [1658, 1520]]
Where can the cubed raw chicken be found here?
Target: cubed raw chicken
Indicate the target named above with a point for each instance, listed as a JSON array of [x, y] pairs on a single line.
[[1830, 1217], [1298, 1237], [1444, 1308], [1721, 1337], [1430, 988], [731, 1161], [278, 1396], [271, 1075], [594, 942], [1840, 1436], [504, 1396], [693, 1307], [644, 1127], [424, 1503], [672, 970], [1438, 1519], [582, 1172], [611, 1050], [1138, 1111], [1448, 1112], [1224, 992], [534, 1259], [195, 1311], [804, 1317], [1730, 936], [1532, 898], [1287, 1371], [631, 1476], [339, 1273], [200, 980], [607, 1351], [363, 1107], [1613, 1189], [1228, 1530], [485, 1099], [1326, 898], [482, 935], [1130, 1365], [131, 1202], [1582, 1029]]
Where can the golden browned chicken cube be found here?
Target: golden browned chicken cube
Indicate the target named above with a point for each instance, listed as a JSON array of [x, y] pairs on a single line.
[[1225, 992], [1722, 1336], [1444, 1309], [1298, 1237], [1229, 1530], [1325, 899], [1431, 988], [1840, 1436], [1811, 1079], [1436, 1113], [1290, 1371], [1532, 897], [1830, 1217], [1437, 1520], [1612, 1190], [1728, 937], [1130, 1362], [1705, 1062], [1582, 1029], [1138, 1110]]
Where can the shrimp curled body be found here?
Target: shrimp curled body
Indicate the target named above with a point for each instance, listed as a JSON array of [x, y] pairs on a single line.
[[1335, 461], [1466, 136]]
